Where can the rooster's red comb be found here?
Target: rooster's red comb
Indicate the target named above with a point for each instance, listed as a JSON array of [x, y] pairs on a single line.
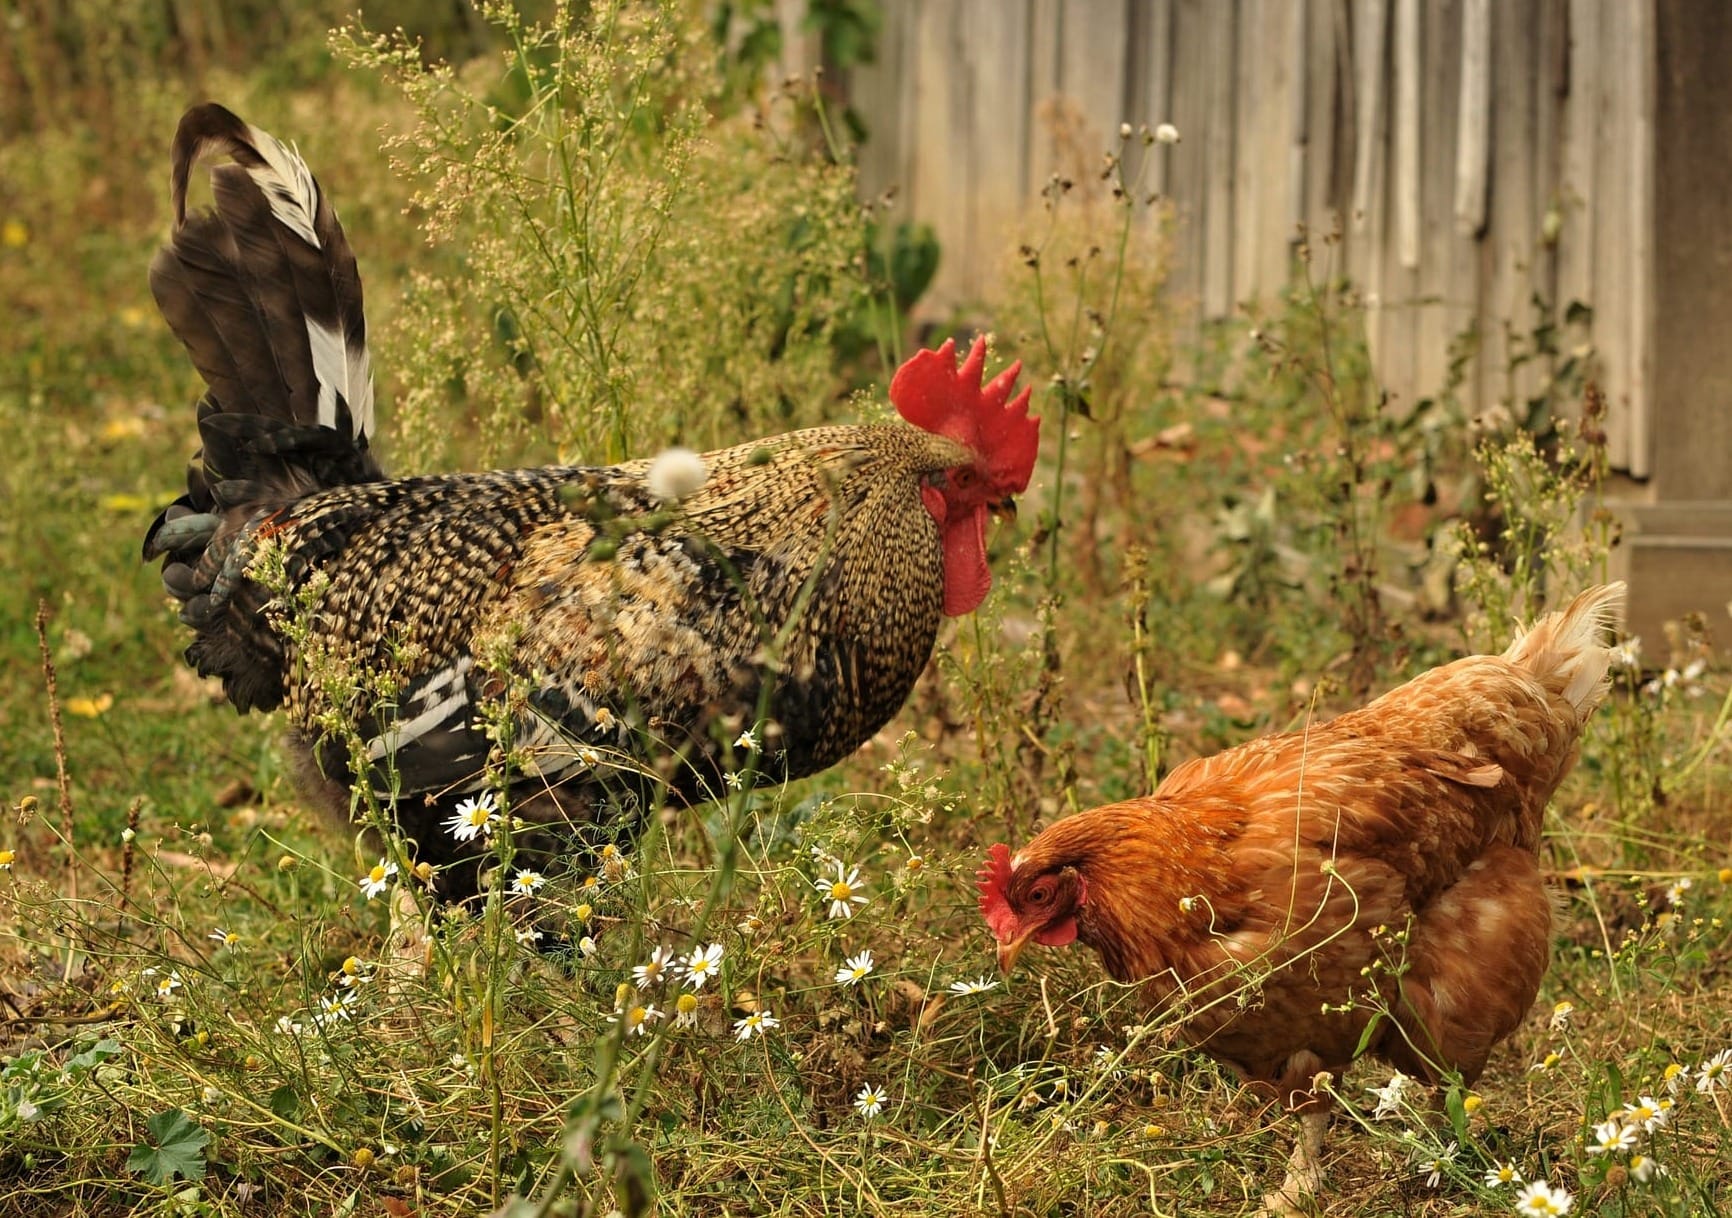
[[932, 393], [994, 884]]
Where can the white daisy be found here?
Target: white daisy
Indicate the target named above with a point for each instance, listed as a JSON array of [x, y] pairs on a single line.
[[378, 879], [1390, 1097], [227, 938], [870, 1102], [1612, 1138], [702, 964], [474, 816], [686, 1011], [1433, 1166], [843, 891], [353, 971], [978, 986], [1561, 1015], [854, 969], [747, 740], [1643, 1169], [1541, 1198], [757, 1023], [167, 985], [1712, 1073], [334, 1008], [525, 882], [636, 1019], [1648, 1113], [1500, 1174], [1166, 133], [1676, 1076], [653, 971]]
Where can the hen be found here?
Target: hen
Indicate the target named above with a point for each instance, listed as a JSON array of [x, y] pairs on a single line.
[[626, 623], [1366, 884]]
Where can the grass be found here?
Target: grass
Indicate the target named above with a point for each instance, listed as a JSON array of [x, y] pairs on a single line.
[[206, 1015]]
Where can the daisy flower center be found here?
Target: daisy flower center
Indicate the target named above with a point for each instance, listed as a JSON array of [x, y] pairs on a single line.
[[841, 890]]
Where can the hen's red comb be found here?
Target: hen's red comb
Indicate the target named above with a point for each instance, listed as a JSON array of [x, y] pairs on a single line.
[[994, 884], [932, 393]]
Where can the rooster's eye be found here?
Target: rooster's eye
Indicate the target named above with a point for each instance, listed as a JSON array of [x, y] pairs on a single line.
[[962, 479]]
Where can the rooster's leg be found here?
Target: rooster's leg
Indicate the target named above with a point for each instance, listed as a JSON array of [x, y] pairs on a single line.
[[1304, 1166]]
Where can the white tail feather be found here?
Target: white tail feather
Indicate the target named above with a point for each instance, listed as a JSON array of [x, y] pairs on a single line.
[[341, 370], [288, 184]]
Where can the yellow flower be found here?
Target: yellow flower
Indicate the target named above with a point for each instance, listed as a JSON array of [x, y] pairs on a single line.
[[126, 427], [1471, 1104], [14, 235], [1725, 875], [6, 859], [90, 708]]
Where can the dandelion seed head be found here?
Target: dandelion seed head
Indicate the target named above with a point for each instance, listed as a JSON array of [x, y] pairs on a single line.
[[675, 473]]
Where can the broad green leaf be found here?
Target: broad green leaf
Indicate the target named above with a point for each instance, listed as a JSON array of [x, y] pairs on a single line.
[[176, 1148]]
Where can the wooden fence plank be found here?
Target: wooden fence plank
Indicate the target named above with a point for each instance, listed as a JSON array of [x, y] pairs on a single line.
[[1220, 159], [1639, 339], [1613, 170], [1440, 135]]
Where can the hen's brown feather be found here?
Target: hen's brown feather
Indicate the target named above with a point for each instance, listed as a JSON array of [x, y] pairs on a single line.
[[1285, 894]]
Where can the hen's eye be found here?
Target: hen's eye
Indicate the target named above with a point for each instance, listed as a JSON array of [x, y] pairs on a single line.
[[1040, 894]]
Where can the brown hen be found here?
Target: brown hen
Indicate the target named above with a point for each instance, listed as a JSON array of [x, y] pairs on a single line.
[[629, 623], [1367, 882]]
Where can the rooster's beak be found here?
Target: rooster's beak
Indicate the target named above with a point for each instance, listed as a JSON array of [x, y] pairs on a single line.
[[1004, 509], [1008, 952]]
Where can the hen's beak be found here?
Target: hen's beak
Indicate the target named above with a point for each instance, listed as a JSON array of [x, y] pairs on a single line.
[[1004, 509], [1008, 952]]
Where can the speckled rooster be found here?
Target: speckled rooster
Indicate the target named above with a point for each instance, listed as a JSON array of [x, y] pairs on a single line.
[[633, 620]]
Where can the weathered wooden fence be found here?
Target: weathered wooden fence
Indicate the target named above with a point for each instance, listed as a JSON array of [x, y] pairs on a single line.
[[1474, 154]]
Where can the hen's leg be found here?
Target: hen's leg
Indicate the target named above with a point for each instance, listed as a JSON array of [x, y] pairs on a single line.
[[1304, 1166]]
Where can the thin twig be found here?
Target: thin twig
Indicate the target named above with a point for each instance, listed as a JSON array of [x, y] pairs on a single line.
[[64, 779]]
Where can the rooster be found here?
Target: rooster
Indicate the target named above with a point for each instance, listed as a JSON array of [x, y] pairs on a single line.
[[642, 632], [1367, 884]]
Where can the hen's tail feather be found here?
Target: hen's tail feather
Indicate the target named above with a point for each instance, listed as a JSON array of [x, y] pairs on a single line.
[[264, 293], [1567, 650]]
